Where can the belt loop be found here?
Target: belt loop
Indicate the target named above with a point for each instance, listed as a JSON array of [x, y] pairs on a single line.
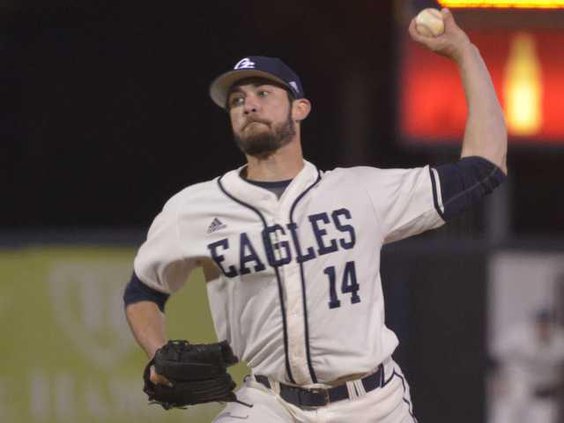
[[382, 375], [359, 387], [351, 389], [275, 386]]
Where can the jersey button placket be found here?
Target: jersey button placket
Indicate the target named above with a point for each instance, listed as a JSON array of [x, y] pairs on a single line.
[[294, 304]]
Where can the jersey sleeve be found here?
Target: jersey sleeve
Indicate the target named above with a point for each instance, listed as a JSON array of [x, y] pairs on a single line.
[[465, 183], [160, 262], [406, 201]]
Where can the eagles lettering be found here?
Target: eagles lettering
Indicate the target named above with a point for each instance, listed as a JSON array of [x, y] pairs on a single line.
[[282, 244]]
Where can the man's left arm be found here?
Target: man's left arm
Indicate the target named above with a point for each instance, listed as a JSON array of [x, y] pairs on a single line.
[[482, 166], [485, 134]]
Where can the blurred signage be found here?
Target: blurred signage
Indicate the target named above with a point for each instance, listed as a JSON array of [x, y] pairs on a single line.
[[68, 355], [527, 70], [504, 4]]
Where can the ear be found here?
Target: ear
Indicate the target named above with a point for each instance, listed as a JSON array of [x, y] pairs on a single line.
[[300, 109]]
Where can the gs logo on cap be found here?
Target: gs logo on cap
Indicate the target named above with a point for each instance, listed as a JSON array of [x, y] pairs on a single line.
[[245, 63]]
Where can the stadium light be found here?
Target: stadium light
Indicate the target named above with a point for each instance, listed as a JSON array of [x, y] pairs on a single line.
[[503, 4]]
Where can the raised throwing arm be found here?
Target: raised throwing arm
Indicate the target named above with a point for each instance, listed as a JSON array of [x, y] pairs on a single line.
[[485, 134]]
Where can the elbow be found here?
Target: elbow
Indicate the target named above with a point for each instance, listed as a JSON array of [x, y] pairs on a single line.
[[501, 153], [136, 291], [498, 158], [503, 165], [490, 144], [496, 148]]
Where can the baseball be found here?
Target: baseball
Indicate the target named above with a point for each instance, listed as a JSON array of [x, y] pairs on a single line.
[[429, 22]]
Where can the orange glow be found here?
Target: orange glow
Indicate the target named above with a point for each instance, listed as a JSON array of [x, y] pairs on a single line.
[[522, 85], [526, 70], [504, 4]]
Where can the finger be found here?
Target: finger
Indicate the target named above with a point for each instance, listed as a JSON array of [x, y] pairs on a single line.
[[161, 380], [157, 379], [416, 35], [411, 28], [153, 376], [448, 18], [413, 31]]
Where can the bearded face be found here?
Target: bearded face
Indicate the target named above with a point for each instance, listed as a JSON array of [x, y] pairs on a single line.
[[261, 117], [260, 138]]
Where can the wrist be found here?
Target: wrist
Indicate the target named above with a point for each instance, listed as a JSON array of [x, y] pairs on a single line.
[[465, 53], [152, 349]]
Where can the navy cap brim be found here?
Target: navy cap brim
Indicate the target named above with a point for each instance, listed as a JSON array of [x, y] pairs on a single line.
[[219, 88]]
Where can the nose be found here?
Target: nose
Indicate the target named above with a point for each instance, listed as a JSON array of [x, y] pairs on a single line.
[[251, 105]]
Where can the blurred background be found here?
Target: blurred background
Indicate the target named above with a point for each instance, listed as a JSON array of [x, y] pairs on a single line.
[[105, 115]]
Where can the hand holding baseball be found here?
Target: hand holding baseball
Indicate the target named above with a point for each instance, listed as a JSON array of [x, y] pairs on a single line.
[[429, 22], [437, 31]]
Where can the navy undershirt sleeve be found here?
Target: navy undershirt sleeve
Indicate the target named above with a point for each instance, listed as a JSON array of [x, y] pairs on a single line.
[[464, 184], [137, 291]]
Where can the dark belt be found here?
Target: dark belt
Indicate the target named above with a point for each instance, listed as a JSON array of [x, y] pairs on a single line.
[[319, 397]]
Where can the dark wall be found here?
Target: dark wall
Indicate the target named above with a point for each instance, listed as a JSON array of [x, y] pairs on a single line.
[[436, 303], [105, 113], [108, 107]]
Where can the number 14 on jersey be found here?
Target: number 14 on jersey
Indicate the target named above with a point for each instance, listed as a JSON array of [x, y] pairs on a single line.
[[349, 284]]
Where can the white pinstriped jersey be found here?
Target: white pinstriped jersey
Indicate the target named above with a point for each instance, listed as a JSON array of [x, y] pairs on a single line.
[[297, 293]]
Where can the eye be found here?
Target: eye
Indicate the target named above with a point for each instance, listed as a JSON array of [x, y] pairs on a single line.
[[263, 93], [236, 100]]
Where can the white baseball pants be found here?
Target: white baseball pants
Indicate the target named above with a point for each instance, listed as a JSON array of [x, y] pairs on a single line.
[[388, 404]]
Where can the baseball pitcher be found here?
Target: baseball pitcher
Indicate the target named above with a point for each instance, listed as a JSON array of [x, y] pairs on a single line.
[[291, 255]]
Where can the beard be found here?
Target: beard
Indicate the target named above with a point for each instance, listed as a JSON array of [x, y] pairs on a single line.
[[262, 144]]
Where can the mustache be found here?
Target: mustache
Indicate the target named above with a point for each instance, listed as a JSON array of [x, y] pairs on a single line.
[[257, 120]]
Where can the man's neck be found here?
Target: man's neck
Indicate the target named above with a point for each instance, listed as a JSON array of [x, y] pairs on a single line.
[[283, 165]]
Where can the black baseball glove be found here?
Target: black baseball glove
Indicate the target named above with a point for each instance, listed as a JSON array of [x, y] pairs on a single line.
[[197, 372]]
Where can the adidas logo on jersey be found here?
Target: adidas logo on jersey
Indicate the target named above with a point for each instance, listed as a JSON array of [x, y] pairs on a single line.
[[216, 225]]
